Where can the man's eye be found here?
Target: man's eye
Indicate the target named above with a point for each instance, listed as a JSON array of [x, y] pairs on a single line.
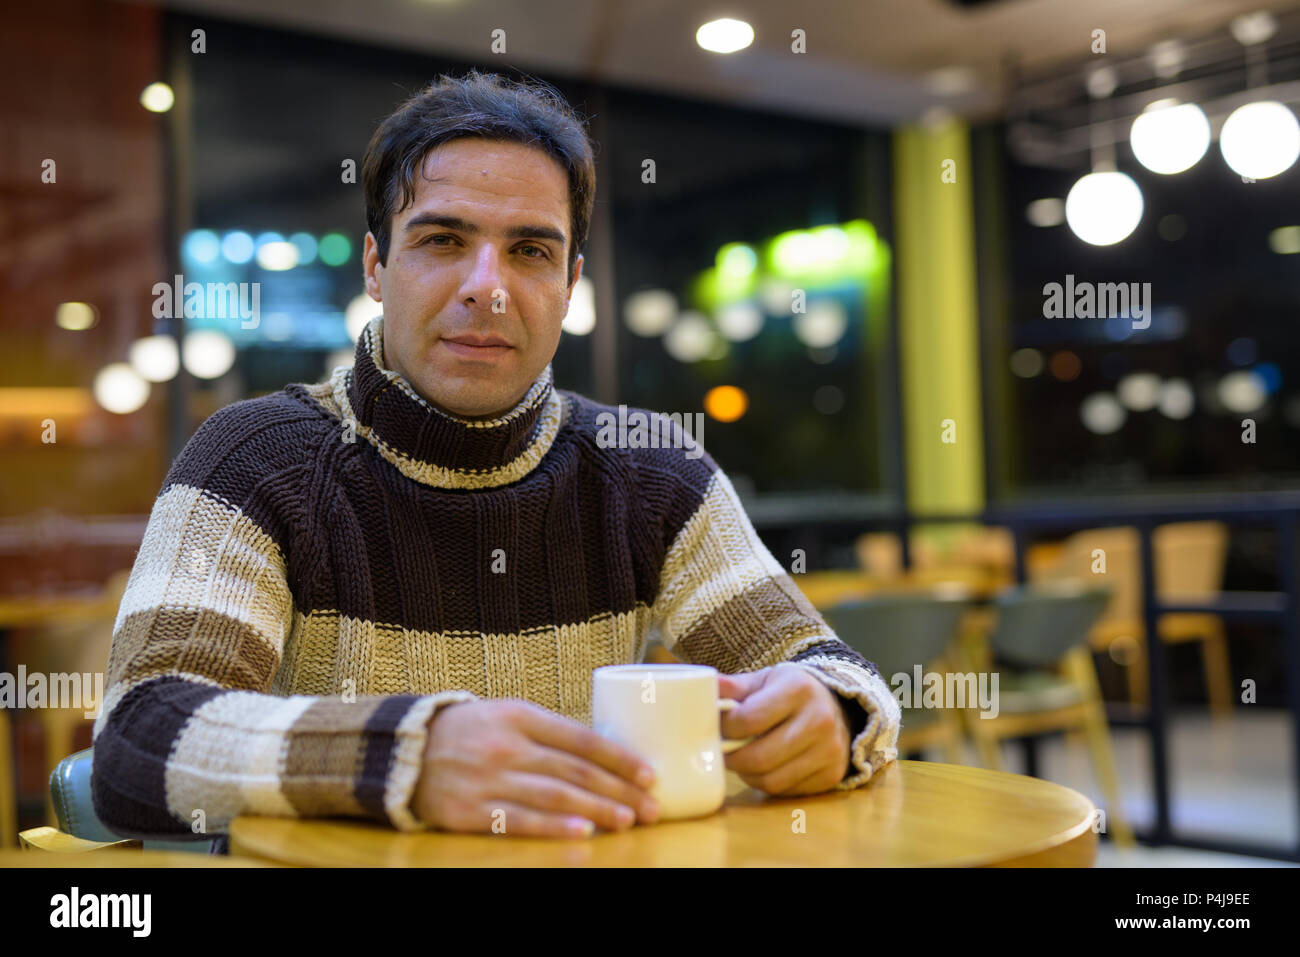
[[539, 249], [431, 239]]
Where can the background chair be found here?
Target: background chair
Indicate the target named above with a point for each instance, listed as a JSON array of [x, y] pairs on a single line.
[[1189, 564], [79, 829], [981, 558], [898, 632], [1047, 680]]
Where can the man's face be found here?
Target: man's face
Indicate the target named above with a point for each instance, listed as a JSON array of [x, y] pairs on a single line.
[[489, 224]]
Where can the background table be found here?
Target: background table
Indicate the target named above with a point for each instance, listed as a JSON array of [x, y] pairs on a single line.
[[913, 814]]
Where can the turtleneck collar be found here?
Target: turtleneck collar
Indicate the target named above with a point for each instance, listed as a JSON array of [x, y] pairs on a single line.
[[435, 447]]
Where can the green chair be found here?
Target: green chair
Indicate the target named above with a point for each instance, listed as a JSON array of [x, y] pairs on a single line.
[[899, 632], [1047, 679], [79, 829]]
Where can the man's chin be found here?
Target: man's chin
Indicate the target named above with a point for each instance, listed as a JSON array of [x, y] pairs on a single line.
[[474, 401]]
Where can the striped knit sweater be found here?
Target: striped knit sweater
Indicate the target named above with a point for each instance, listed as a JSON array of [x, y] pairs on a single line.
[[328, 565]]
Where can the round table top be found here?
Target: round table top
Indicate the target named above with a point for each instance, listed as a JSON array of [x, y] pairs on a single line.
[[113, 857], [913, 813]]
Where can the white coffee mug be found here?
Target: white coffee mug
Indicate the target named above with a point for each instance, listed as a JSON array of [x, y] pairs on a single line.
[[669, 715]]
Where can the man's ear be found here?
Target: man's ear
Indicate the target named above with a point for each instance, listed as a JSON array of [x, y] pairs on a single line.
[[573, 281], [374, 269]]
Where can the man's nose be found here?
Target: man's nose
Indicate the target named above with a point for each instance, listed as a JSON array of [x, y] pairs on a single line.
[[483, 283]]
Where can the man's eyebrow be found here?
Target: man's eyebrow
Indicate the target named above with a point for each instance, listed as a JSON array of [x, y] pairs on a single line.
[[465, 226]]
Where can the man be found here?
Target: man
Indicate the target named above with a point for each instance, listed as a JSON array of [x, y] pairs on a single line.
[[384, 595]]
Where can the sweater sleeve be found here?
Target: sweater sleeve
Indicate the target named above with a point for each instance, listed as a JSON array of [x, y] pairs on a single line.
[[724, 601], [189, 734]]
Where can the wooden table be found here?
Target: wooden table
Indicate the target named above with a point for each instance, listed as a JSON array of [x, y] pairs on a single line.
[[116, 858], [826, 589], [913, 814]]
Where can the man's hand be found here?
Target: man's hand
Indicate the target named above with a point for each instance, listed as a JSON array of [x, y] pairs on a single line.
[[550, 775], [803, 736]]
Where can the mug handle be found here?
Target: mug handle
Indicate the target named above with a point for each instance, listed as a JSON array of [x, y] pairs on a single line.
[[732, 744]]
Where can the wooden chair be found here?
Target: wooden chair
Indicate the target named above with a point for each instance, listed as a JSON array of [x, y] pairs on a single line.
[[1189, 562], [79, 830], [1047, 680], [898, 632], [980, 558], [880, 555]]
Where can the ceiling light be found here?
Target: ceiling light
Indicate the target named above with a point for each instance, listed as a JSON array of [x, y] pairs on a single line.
[[1103, 208], [1169, 137], [1260, 139], [725, 35]]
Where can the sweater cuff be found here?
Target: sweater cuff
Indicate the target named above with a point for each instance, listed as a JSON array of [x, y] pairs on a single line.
[[876, 744], [411, 741]]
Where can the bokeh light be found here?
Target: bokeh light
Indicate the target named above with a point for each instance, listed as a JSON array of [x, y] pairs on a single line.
[[725, 35], [581, 317], [237, 247], [157, 98], [334, 249], [691, 338], [822, 325], [1065, 365], [207, 353], [1102, 413], [360, 310], [1260, 140], [156, 358], [120, 389], [726, 403], [75, 316], [1026, 363], [650, 312], [1104, 208], [1169, 137], [202, 246]]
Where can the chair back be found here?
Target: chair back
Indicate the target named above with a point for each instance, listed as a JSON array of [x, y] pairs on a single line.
[[1038, 624], [75, 807], [880, 554], [1189, 559], [70, 791], [899, 631]]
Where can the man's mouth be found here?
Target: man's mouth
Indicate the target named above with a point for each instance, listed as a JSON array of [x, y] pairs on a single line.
[[477, 347]]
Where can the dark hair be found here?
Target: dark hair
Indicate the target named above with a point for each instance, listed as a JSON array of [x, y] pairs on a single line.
[[487, 106]]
